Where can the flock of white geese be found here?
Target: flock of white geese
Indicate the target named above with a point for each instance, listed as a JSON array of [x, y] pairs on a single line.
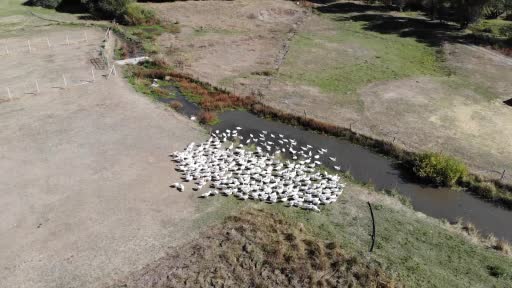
[[251, 168]]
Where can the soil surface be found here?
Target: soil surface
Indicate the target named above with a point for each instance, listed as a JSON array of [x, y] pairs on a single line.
[[220, 41], [85, 172]]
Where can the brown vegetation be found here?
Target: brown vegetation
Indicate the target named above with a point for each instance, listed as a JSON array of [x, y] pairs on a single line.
[[503, 246], [160, 92], [470, 230], [258, 248], [176, 105], [207, 117]]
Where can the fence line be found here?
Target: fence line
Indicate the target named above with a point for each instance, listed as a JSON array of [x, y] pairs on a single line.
[[64, 84], [30, 45]]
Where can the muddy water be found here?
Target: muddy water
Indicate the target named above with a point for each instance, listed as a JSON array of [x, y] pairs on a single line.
[[367, 166]]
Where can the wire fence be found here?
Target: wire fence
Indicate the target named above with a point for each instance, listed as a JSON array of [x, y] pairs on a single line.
[[18, 47], [55, 82]]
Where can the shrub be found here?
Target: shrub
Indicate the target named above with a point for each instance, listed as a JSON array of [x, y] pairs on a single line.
[[207, 117], [138, 15], [438, 168], [176, 105], [44, 3], [108, 9]]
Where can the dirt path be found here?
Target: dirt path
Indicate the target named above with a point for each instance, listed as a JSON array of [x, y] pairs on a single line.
[[84, 172]]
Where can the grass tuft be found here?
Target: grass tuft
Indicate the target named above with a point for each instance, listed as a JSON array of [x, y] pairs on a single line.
[[503, 246]]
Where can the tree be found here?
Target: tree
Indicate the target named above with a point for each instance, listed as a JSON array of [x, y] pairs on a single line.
[[108, 9], [44, 3], [495, 8], [508, 9], [469, 11]]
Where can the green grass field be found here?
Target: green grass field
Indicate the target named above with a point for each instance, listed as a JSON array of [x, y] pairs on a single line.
[[496, 27], [16, 7], [16, 18], [345, 57]]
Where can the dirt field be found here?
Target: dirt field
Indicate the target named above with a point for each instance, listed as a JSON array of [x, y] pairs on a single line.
[[223, 41], [341, 68], [84, 170]]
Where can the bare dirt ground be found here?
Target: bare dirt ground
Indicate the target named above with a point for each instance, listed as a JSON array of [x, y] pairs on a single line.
[[84, 171], [223, 41], [232, 43]]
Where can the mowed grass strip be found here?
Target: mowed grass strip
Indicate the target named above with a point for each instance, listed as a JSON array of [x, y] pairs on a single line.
[[345, 57]]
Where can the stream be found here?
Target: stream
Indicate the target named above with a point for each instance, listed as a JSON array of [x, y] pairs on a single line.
[[369, 167]]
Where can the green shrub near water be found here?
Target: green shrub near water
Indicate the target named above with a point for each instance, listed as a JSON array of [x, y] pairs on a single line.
[[138, 15], [438, 168], [108, 9]]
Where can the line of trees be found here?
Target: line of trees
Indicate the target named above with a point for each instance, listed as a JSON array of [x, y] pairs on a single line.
[[463, 12], [497, 8]]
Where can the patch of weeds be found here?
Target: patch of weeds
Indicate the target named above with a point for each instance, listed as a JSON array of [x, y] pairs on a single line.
[[146, 35], [176, 105], [202, 31], [143, 85], [496, 27], [498, 271], [119, 53], [208, 117], [264, 73], [406, 201], [190, 95]]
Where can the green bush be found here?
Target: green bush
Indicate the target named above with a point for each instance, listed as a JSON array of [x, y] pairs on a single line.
[[108, 9], [44, 3], [438, 168], [138, 15]]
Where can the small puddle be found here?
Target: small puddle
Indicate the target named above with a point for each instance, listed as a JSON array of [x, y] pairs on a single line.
[[369, 167]]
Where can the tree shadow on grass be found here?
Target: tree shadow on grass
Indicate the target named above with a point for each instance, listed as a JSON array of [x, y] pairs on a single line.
[[432, 33], [349, 7], [323, 2]]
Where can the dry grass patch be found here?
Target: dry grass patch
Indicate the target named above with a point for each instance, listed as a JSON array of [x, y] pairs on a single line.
[[176, 105], [258, 248], [208, 117], [503, 246]]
